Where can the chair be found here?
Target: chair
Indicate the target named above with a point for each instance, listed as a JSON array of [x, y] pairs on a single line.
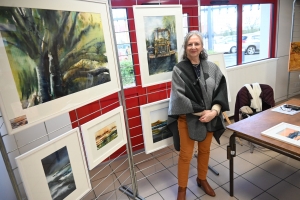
[[243, 98]]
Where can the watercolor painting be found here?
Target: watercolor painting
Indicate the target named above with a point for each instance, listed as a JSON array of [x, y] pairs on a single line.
[[106, 135], [53, 53], [161, 43], [159, 125], [59, 174], [290, 133], [294, 59]]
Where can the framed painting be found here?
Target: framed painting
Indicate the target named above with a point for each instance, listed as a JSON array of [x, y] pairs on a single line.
[[159, 33], [294, 57], [57, 56], [154, 122], [104, 135], [284, 132], [56, 169]]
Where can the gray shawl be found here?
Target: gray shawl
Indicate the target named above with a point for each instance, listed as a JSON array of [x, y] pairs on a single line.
[[190, 94]]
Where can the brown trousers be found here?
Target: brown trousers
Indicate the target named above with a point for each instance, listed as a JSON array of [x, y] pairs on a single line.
[[187, 151]]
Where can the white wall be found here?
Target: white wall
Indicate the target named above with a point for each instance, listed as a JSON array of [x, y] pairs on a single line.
[[283, 46]]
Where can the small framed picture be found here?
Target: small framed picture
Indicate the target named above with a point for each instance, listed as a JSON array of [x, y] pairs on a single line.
[[56, 169], [103, 136], [154, 122], [284, 132]]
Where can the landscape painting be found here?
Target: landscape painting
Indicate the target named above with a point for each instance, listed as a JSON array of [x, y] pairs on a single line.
[[106, 135], [161, 43], [159, 124], [59, 174], [290, 133], [53, 53]]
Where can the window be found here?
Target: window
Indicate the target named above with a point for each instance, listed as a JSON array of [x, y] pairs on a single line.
[[242, 31], [124, 47]]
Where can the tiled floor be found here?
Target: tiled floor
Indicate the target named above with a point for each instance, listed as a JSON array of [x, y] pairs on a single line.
[[261, 175]]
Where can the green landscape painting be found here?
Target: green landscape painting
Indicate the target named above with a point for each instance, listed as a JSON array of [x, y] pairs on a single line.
[[161, 43], [106, 135], [53, 53]]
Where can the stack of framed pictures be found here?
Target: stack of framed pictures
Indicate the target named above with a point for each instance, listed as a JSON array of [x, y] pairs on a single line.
[[154, 122], [56, 169], [56, 57], [103, 136], [284, 132]]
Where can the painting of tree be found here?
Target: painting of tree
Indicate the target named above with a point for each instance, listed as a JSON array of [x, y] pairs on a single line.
[[53, 53]]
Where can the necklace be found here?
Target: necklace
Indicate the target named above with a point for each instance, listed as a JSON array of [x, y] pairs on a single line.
[[197, 69]]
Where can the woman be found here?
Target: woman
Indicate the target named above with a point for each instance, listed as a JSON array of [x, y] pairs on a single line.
[[198, 98]]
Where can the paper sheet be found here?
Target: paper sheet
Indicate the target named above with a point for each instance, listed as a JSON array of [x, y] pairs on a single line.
[[282, 109]]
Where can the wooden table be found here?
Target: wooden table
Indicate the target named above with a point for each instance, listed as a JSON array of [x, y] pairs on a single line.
[[250, 129]]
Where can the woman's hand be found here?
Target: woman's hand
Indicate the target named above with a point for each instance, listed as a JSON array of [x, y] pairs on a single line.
[[207, 115]]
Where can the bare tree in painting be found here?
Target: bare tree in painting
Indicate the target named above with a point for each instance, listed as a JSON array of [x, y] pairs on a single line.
[[65, 47]]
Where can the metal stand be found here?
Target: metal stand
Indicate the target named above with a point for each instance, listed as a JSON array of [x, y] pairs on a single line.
[[134, 193], [129, 193]]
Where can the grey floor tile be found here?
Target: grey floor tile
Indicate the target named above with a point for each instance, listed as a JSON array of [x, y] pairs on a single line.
[[105, 185], [141, 156], [145, 188], [278, 168], [227, 133], [256, 158], [213, 146], [174, 170], [113, 195], [294, 179], [223, 176], [212, 162], [261, 178], [155, 196], [223, 140], [285, 190], [219, 154], [120, 164], [289, 161], [268, 152], [150, 167], [240, 166], [265, 196], [221, 194], [162, 180], [242, 148], [243, 189], [171, 193], [124, 176]]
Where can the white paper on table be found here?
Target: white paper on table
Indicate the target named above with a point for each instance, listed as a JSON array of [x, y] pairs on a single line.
[[283, 110]]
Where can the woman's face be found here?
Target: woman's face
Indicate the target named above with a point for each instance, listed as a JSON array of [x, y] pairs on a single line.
[[194, 47]]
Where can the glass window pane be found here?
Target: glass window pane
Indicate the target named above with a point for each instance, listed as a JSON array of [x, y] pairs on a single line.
[[124, 47], [219, 29], [256, 32]]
